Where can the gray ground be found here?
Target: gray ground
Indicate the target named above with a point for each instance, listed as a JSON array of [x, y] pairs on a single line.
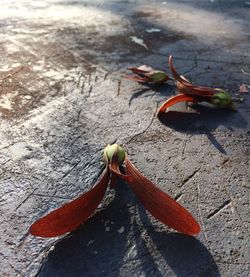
[[63, 98]]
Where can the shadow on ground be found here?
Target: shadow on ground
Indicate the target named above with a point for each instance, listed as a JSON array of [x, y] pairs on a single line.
[[203, 120], [164, 90], [99, 249]]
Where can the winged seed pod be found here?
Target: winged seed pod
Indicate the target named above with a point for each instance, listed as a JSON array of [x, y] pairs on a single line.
[[146, 74], [187, 92], [71, 215]]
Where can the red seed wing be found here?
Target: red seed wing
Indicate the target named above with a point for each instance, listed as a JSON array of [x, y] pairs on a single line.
[[160, 204], [176, 75], [195, 90], [202, 91], [115, 169], [71, 215], [174, 100], [185, 86]]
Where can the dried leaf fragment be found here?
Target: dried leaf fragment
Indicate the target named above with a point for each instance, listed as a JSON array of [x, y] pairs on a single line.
[[244, 88]]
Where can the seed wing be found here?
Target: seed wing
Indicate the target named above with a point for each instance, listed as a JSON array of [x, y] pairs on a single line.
[[160, 204], [71, 215], [174, 100]]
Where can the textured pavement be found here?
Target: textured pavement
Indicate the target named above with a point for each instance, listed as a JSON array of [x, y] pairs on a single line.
[[63, 98]]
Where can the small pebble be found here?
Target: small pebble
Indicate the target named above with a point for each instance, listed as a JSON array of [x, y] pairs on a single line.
[[121, 230]]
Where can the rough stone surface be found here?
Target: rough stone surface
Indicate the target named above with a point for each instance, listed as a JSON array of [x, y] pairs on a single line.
[[63, 98]]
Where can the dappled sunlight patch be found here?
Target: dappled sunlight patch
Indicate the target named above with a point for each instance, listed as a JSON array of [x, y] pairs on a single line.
[[203, 24]]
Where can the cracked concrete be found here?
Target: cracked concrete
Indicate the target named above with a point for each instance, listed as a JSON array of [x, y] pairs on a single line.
[[63, 98]]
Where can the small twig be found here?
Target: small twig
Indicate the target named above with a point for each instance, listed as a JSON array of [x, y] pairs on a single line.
[[143, 131]]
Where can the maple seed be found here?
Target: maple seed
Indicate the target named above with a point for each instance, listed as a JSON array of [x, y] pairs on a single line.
[[72, 214], [111, 150], [187, 92], [146, 74]]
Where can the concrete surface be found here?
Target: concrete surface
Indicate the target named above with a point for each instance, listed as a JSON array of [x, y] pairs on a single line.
[[63, 98]]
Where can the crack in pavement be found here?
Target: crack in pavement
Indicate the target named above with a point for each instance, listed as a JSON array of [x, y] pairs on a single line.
[[25, 199], [190, 177], [219, 209]]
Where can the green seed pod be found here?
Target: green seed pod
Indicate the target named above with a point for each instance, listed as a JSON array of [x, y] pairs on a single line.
[[111, 150], [157, 76], [222, 99]]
